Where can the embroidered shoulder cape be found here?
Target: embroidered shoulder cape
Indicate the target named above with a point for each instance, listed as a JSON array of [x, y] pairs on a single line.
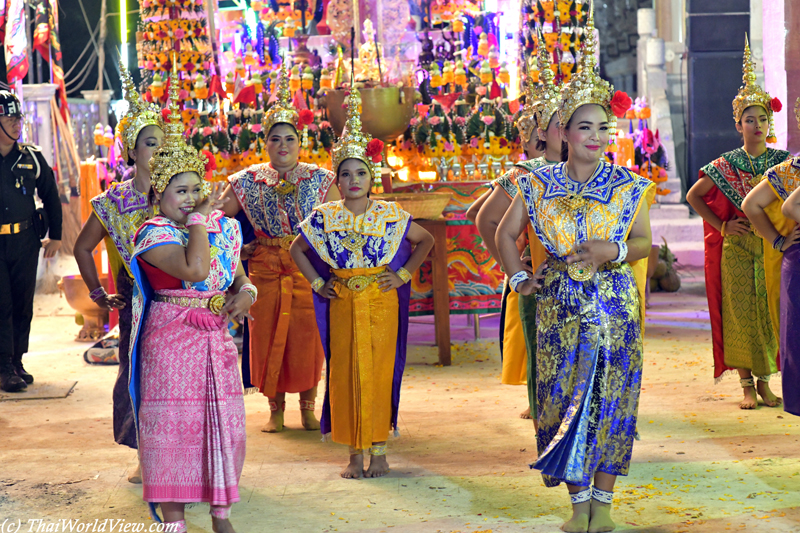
[[275, 207], [508, 181], [384, 224], [122, 210], [733, 173]]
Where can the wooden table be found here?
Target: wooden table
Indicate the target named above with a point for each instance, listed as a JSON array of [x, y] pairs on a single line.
[[441, 291]]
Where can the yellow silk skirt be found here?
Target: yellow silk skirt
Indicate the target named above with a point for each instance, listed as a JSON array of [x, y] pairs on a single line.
[[515, 352], [363, 343]]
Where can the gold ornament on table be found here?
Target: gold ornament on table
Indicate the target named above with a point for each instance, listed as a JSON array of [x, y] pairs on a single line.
[[175, 156], [139, 115], [586, 87], [281, 111], [549, 94], [751, 94]]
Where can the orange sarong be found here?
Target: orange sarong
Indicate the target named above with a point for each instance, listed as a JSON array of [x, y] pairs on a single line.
[[285, 349], [363, 342]]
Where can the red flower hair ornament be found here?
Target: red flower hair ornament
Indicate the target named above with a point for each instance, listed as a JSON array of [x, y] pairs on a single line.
[[620, 103], [306, 117], [375, 150], [776, 105]]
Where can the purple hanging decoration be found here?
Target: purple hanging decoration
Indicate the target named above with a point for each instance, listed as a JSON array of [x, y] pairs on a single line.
[[319, 10], [260, 42]]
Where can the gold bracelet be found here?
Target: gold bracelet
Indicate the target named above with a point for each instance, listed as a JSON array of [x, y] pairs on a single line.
[[317, 284], [722, 229], [403, 274]]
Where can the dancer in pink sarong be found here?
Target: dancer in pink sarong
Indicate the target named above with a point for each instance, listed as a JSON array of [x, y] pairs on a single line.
[[185, 384]]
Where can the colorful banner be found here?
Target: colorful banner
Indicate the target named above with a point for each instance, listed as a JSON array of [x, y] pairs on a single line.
[[46, 41], [474, 278], [15, 40]]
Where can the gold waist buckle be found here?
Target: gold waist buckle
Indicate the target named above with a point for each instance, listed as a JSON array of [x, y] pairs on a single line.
[[284, 242], [214, 303]]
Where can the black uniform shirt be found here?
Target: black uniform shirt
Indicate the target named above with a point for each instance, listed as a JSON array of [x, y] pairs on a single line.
[[17, 203]]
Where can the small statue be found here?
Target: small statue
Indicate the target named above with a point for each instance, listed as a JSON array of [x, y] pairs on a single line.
[[426, 57], [368, 54], [446, 48]]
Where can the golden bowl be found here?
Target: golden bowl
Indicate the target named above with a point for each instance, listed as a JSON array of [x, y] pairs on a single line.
[[94, 317], [385, 114], [422, 205]]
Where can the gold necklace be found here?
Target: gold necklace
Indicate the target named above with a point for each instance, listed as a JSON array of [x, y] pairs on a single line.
[[355, 240], [575, 201], [756, 179]]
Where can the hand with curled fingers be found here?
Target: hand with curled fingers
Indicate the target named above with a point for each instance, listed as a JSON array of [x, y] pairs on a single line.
[[389, 280], [526, 288], [238, 306], [211, 202], [593, 253]]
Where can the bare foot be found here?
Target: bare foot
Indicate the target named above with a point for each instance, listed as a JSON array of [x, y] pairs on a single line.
[[770, 400], [750, 401], [275, 424], [601, 521], [526, 414], [136, 477], [355, 469], [219, 525], [378, 466], [309, 420], [579, 523]]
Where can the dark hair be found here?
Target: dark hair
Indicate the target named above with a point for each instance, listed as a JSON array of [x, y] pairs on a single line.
[[283, 124]]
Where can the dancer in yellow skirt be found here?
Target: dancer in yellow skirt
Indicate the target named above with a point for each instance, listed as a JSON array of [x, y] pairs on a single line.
[[357, 255]]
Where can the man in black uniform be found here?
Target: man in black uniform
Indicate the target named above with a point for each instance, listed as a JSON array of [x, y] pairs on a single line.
[[23, 171]]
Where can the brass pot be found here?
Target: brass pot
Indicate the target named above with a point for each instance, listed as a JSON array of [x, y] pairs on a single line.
[[95, 317], [385, 114]]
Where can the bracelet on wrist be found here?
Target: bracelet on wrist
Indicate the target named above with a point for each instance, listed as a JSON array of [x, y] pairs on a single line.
[[623, 252], [722, 229], [98, 293], [196, 219], [251, 291], [520, 277], [317, 284], [403, 274], [777, 244]]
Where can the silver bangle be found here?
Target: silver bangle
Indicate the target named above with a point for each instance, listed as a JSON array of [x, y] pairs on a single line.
[[520, 277], [623, 252]]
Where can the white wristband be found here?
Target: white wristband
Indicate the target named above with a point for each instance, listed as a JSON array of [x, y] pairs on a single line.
[[623, 252], [520, 277]]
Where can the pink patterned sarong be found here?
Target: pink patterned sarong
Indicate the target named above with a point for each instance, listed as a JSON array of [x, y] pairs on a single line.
[[191, 417]]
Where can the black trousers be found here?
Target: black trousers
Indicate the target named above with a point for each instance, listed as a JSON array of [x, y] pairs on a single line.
[[19, 257]]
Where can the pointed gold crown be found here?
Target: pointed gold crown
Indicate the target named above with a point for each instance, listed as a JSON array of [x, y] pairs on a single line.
[[175, 156], [549, 94], [281, 111], [526, 122], [139, 115], [586, 87], [353, 142], [751, 94]]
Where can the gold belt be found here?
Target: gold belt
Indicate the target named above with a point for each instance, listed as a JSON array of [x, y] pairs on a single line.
[[580, 271], [359, 283], [281, 242], [212, 303], [16, 227]]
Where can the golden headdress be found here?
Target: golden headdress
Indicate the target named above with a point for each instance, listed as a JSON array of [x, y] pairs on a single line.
[[354, 143], [281, 111], [526, 122], [586, 87], [175, 156], [797, 111], [549, 94], [139, 115], [751, 94]]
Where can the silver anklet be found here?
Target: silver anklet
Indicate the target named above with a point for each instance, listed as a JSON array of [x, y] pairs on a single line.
[[580, 496], [602, 496]]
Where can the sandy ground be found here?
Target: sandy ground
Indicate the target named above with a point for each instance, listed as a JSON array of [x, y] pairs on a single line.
[[702, 465]]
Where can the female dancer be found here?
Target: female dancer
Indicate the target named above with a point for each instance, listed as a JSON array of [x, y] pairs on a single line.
[[285, 351], [359, 264], [185, 385], [116, 215], [742, 331], [593, 222], [783, 183], [521, 310]]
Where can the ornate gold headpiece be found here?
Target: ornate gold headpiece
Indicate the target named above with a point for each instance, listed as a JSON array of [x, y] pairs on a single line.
[[526, 122], [751, 94], [797, 111], [354, 143], [549, 94], [175, 156], [139, 115], [281, 111]]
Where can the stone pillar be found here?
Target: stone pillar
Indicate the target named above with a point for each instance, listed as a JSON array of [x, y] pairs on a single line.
[[646, 27], [38, 97], [782, 66]]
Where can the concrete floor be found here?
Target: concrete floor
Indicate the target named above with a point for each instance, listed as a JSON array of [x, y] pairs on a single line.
[[702, 465]]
